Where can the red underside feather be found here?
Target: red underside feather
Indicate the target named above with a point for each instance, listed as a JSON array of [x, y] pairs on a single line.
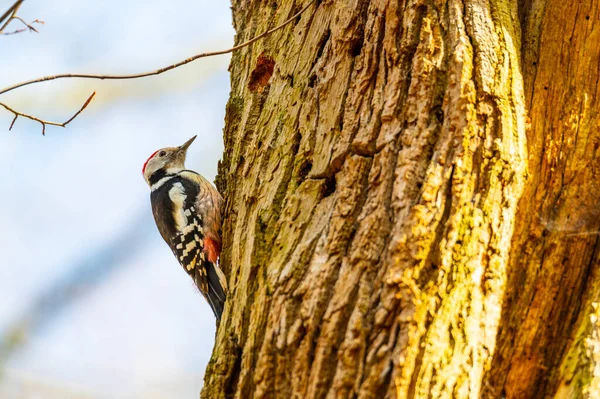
[[211, 249]]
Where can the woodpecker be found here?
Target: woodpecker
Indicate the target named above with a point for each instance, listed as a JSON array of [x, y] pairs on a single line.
[[187, 212]]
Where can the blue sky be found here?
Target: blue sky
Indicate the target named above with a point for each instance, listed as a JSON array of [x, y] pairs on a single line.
[[76, 209]]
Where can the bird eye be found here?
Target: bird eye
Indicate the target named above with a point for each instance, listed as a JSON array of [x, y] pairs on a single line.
[[162, 153]]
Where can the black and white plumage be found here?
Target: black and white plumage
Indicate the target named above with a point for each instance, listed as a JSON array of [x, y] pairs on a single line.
[[187, 211]]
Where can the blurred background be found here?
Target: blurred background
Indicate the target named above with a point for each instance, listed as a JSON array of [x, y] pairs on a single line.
[[92, 302]]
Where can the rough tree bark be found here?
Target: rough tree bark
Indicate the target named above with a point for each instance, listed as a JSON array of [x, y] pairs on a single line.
[[393, 229]]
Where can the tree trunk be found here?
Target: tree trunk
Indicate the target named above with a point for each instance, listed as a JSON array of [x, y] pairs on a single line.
[[548, 344], [392, 228]]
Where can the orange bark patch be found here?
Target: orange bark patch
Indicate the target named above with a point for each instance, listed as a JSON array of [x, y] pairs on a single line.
[[261, 74]]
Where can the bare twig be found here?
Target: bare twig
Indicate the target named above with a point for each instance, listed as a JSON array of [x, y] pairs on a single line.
[[115, 77], [10, 13], [44, 122], [160, 70], [28, 26], [13, 122]]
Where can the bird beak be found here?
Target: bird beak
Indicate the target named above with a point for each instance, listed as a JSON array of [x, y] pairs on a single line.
[[184, 147]]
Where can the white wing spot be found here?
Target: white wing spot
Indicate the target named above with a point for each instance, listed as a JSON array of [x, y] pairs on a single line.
[[177, 195], [189, 248]]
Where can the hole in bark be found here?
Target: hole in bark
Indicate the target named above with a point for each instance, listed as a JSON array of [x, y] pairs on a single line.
[[259, 144], [545, 87], [261, 74], [356, 48], [544, 233], [304, 170], [322, 44], [312, 80], [534, 63], [232, 379], [439, 113], [587, 17], [329, 186], [296, 144]]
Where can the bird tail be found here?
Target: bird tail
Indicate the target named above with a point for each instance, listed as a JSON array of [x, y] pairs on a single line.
[[217, 288]]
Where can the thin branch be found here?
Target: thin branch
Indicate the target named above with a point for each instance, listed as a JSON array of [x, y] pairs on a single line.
[[29, 26], [13, 122], [160, 70], [11, 14], [12, 11], [44, 122]]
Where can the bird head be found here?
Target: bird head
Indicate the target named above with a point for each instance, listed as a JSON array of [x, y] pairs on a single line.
[[168, 160]]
